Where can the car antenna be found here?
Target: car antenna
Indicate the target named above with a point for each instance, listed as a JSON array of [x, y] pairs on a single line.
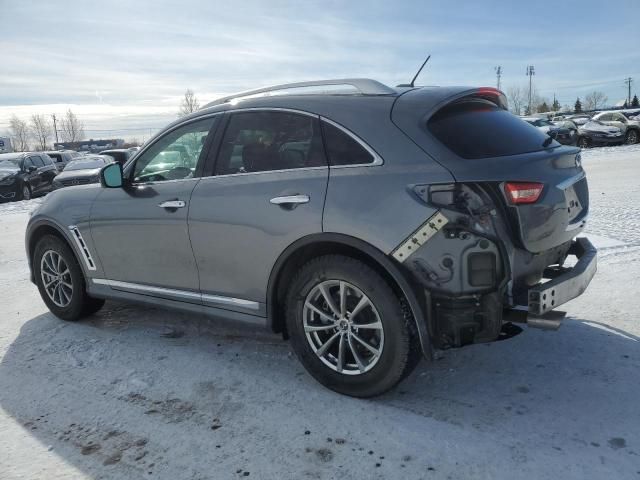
[[415, 76]]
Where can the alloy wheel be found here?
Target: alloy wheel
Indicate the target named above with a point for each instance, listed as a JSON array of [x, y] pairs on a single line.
[[26, 193], [343, 327], [632, 137], [56, 278]]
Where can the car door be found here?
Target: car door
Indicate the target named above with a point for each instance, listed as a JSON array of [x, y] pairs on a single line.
[[47, 173], [610, 119], [267, 191], [140, 231], [31, 176]]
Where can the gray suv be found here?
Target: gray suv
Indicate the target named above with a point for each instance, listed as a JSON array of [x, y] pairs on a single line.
[[369, 225]]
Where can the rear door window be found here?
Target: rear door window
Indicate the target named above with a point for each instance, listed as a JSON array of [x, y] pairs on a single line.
[[269, 140], [342, 148], [37, 161], [476, 129]]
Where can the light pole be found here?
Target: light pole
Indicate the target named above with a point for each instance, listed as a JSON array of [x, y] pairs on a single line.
[[530, 73]]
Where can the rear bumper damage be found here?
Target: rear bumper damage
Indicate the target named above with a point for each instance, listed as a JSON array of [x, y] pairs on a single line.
[[561, 285], [565, 283]]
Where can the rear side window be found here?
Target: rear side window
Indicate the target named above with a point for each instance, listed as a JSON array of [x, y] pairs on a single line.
[[342, 149], [264, 141], [47, 160], [479, 129]]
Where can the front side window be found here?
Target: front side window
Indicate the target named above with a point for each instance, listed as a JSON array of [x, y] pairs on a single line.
[[264, 141], [174, 156], [343, 149], [37, 161]]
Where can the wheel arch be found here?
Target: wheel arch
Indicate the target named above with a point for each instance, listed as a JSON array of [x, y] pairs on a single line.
[[312, 246], [39, 230]]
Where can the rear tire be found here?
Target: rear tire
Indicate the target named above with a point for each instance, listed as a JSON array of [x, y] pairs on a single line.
[[360, 372], [60, 280]]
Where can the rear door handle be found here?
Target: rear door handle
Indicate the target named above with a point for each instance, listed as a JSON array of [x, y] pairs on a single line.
[[290, 200], [173, 204]]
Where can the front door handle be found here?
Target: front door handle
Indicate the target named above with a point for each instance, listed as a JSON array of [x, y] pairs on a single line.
[[173, 204], [290, 200]]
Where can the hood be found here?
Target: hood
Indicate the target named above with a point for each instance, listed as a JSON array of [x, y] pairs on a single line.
[[8, 172], [66, 175], [596, 127]]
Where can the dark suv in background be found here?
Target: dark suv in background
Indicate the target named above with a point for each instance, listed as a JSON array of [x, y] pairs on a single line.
[[365, 223], [25, 175]]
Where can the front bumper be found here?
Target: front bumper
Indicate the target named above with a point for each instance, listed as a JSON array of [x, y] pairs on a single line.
[[8, 193], [607, 140], [564, 283]]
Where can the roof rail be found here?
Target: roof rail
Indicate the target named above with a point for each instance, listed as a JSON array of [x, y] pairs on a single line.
[[365, 86]]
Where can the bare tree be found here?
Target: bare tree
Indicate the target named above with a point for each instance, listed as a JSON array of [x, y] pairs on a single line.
[[19, 134], [40, 130], [71, 129], [516, 97], [595, 100], [189, 103]]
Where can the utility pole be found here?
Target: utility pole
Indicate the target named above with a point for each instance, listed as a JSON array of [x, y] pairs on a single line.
[[628, 81], [55, 127], [530, 73], [498, 70]]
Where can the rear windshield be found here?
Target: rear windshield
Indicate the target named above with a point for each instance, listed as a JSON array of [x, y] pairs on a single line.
[[479, 129]]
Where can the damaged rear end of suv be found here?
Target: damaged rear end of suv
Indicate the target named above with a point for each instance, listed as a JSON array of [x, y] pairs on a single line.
[[503, 231]]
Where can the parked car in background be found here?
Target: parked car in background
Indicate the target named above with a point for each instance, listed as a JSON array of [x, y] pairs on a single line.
[[327, 218], [62, 157], [569, 125], [561, 134], [120, 155], [579, 119], [25, 175], [629, 128], [82, 170], [595, 133], [631, 113]]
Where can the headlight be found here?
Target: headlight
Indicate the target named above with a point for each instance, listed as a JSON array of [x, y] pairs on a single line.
[[8, 181]]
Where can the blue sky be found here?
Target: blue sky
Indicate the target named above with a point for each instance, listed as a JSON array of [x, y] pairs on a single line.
[[125, 64]]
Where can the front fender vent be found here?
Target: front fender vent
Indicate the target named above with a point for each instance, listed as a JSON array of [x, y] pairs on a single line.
[[84, 250]]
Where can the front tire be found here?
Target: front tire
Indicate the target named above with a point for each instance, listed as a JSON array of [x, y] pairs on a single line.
[[25, 194], [583, 142], [348, 328], [60, 280], [632, 137]]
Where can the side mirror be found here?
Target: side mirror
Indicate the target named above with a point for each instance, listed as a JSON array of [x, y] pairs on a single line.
[[31, 169], [111, 176]]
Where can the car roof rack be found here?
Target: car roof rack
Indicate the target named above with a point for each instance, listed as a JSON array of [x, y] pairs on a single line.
[[364, 86]]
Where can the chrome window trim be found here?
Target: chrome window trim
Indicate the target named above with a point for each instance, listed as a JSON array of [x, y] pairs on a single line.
[[215, 299], [273, 109], [242, 174], [377, 159], [130, 162]]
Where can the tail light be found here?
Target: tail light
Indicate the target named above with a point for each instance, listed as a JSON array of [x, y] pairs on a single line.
[[521, 193]]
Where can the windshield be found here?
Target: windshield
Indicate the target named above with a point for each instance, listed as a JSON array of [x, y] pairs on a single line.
[[85, 164]]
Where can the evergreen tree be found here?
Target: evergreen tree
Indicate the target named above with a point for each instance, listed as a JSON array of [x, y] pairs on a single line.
[[635, 102], [543, 107], [578, 106], [556, 105]]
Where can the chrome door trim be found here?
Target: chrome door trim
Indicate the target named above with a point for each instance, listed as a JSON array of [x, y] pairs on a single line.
[[84, 249], [184, 294], [325, 167], [377, 159]]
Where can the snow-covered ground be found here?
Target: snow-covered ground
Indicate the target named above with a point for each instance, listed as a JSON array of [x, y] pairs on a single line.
[[141, 393]]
